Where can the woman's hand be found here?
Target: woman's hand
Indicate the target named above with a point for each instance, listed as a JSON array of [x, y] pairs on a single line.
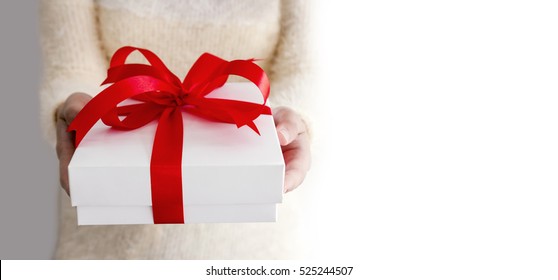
[[295, 143], [65, 147]]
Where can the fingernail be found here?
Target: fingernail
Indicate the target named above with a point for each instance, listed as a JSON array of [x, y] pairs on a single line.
[[285, 135]]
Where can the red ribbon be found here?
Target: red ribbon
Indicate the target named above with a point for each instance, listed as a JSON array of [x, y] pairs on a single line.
[[164, 98]]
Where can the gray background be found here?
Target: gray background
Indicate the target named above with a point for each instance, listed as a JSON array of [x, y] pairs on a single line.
[[28, 171]]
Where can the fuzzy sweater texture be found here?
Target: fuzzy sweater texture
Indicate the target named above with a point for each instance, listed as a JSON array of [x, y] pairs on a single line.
[[79, 36]]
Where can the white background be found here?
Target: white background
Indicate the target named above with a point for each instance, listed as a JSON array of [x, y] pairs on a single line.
[[441, 142], [435, 141]]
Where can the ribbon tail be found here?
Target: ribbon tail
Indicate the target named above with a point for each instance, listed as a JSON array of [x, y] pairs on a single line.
[[166, 169], [253, 126]]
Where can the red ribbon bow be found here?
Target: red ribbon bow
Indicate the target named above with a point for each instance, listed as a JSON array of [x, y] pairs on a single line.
[[164, 97]]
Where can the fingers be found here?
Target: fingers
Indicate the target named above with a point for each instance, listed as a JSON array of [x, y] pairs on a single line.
[[65, 148], [295, 144], [289, 125], [297, 160]]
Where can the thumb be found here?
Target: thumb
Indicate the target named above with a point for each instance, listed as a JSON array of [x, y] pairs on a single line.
[[288, 124], [73, 106]]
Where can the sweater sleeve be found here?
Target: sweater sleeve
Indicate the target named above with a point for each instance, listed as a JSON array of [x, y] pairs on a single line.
[[292, 67], [73, 60]]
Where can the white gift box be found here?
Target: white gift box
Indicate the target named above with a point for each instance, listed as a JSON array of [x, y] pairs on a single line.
[[229, 174]]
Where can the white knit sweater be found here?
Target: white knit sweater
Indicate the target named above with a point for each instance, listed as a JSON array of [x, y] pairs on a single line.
[[78, 38]]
